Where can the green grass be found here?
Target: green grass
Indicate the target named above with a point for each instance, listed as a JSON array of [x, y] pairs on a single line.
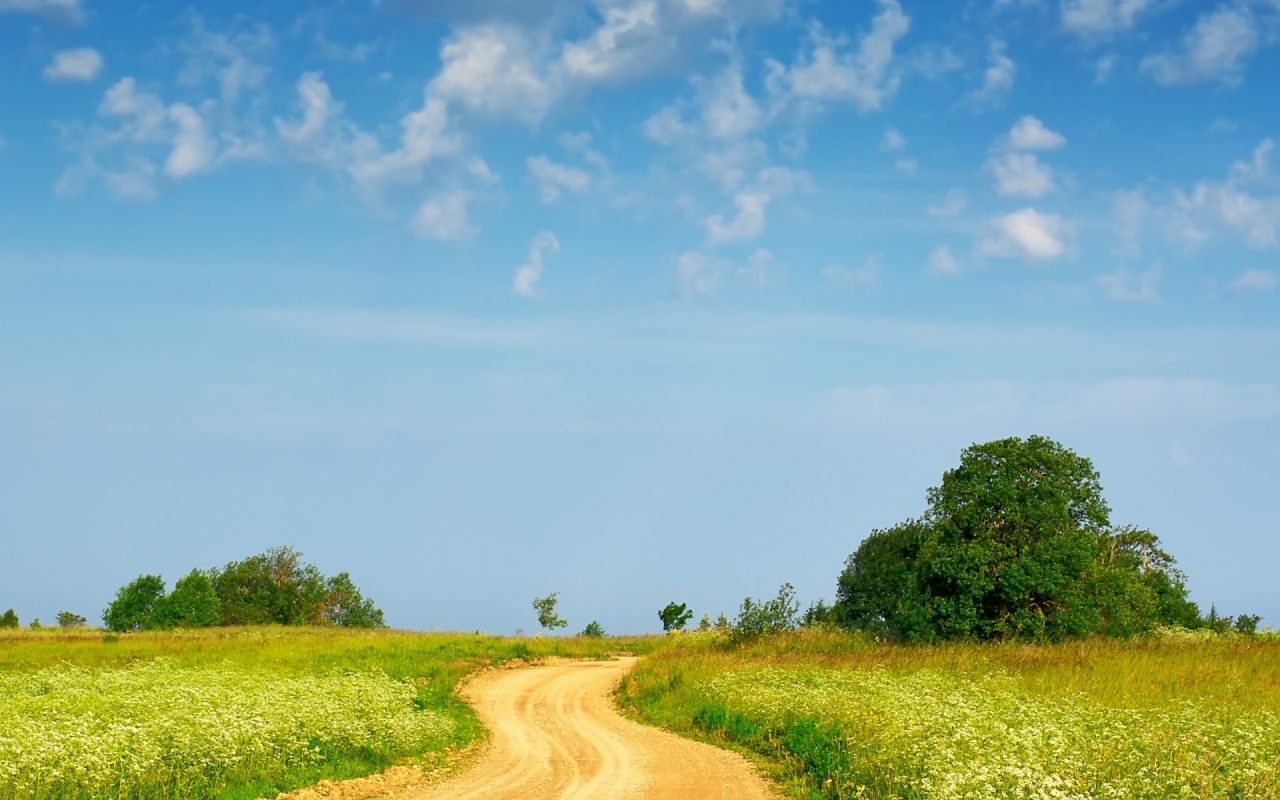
[[239, 713], [834, 715]]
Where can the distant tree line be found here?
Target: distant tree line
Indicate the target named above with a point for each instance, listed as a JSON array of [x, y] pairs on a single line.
[[1017, 543], [273, 588]]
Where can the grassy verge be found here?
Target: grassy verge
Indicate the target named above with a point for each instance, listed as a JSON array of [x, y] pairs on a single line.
[[238, 713], [837, 716]]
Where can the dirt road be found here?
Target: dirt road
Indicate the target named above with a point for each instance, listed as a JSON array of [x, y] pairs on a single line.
[[556, 734]]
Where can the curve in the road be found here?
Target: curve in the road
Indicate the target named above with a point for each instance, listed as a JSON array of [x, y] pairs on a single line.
[[556, 734]]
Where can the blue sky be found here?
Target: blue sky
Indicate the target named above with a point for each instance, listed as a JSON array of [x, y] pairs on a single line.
[[633, 300]]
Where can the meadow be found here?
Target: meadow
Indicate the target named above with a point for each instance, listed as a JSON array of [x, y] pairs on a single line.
[[835, 715], [235, 713]]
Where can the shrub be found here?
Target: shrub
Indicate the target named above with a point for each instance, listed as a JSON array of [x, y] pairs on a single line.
[[593, 629], [68, 620], [756, 619], [9, 619]]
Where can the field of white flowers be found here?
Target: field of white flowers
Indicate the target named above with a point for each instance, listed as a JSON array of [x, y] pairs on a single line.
[[945, 736], [163, 730]]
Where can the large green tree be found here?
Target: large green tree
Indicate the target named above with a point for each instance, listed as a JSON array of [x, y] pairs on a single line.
[[193, 603], [1016, 543], [272, 587], [135, 605]]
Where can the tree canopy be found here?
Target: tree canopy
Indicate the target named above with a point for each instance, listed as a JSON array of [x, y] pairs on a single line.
[[276, 587], [1016, 543]]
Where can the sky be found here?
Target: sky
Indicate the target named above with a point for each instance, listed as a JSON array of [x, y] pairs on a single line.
[[636, 301]]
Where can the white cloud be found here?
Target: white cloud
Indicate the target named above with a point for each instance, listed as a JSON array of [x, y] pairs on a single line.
[[699, 273], [629, 41], [235, 60], [952, 203], [864, 77], [82, 64], [425, 136], [529, 273], [321, 135], [1251, 282], [1214, 49], [1102, 17], [492, 69], [751, 203], [866, 276], [193, 149], [1126, 287], [907, 165], [892, 141], [1222, 125], [1229, 204], [1025, 234], [943, 262], [1029, 133], [445, 217], [1021, 175], [716, 129], [997, 79], [552, 178]]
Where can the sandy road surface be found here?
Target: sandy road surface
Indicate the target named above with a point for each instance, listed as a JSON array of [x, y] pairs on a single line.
[[556, 734]]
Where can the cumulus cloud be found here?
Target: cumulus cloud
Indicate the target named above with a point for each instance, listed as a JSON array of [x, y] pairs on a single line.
[[1250, 282], [1232, 204], [717, 129], [525, 282], [699, 273], [751, 203], [445, 217], [1102, 17], [1127, 287], [892, 141], [943, 262], [1026, 234], [82, 64], [1215, 49], [1029, 133], [493, 69], [863, 76], [997, 79], [553, 178], [193, 148], [1021, 175]]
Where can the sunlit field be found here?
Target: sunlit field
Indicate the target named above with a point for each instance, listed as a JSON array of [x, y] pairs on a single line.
[[838, 716], [237, 713]]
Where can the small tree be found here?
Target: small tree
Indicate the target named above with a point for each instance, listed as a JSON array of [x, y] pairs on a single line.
[[674, 617], [594, 630], [68, 620], [9, 619], [545, 607], [704, 624]]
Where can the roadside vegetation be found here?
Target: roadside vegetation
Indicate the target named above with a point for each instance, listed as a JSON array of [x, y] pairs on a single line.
[[1009, 642], [836, 714], [238, 713]]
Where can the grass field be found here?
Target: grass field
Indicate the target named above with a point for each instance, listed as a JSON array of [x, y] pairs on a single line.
[[237, 713], [839, 716]]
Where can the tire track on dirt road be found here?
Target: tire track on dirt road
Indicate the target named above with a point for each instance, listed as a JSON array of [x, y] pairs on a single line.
[[556, 734]]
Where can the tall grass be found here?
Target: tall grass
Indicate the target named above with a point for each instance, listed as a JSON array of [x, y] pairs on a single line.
[[238, 713], [843, 716]]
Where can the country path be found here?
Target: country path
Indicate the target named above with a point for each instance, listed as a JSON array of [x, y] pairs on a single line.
[[556, 734]]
